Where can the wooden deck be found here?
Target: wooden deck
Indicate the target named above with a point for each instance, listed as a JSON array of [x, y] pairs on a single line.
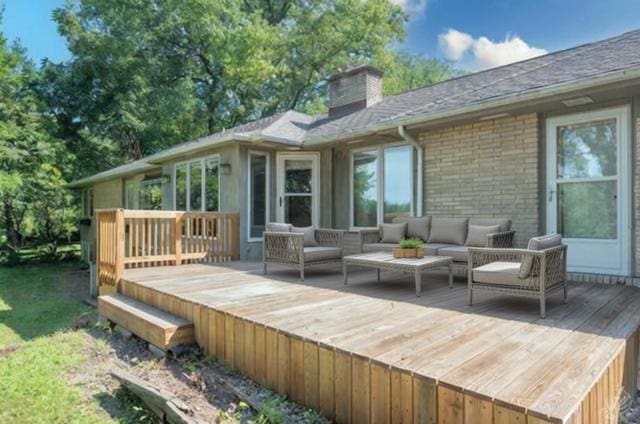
[[372, 352]]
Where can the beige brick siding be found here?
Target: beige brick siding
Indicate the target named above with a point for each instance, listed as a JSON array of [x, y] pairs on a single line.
[[636, 197], [108, 194], [485, 169]]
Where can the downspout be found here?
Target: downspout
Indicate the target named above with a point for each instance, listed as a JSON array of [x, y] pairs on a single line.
[[420, 151]]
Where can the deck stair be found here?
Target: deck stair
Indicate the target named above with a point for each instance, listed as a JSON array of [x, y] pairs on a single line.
[[159, 328]]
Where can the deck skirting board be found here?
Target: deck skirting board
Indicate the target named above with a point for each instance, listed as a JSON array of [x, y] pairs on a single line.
[[353, 389]]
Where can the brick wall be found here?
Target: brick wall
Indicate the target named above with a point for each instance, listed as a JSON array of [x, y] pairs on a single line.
[[108, 194], [485, 169]]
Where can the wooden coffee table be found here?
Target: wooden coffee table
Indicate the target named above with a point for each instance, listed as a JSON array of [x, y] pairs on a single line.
[[384, 260]]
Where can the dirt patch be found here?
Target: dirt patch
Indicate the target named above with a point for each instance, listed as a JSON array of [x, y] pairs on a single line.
[[8, 350], [207, 387]]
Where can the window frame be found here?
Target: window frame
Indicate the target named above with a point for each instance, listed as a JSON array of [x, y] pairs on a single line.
[[202, 161], [267, 199], [380, 181]]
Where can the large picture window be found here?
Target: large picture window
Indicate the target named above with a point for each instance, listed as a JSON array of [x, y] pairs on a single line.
[[197, 185], [258, 194], [382, 184]]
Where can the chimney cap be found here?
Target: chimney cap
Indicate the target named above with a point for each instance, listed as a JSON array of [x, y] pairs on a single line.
[[356, 68]]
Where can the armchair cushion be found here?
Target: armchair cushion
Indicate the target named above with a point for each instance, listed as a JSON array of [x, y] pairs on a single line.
[[321, 253], [279, 227], [379, 247], [478, 234], [458, 253], [393, 233], [417, 227], [309, 235], [502, 273], [448, 230], [538, 243]]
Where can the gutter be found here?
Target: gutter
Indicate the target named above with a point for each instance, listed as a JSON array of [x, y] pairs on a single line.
[[402, 132], [533, 94]]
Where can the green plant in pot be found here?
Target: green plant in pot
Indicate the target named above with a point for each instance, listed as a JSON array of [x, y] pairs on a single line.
[[410, 248]]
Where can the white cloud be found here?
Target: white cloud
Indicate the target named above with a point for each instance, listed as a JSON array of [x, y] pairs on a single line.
[[454, 44], [411, 6], [482, 53]]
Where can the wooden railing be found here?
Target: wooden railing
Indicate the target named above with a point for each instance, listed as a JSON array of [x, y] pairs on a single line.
[[135, 239]]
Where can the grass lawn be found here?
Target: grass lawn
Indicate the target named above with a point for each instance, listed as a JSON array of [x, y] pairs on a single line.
[[37, 348]]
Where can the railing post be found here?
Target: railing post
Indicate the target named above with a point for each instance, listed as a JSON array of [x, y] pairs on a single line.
[[177, 237], [235, 234], [120, 235]]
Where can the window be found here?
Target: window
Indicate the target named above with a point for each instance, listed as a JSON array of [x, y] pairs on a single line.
[[258, 203], [150, 194], [212, 182], [196, 185], [365, 188], [398, 182], [382, 184], [131, 195]]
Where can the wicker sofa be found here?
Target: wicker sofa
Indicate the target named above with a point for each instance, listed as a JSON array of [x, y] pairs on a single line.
[[443, 236], [283, 244], [536, 272]]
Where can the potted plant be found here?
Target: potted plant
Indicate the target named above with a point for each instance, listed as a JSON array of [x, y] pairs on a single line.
[[409, 248]]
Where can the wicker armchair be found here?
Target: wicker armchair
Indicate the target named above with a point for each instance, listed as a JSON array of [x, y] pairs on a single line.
[[288, 249], [499, 270]]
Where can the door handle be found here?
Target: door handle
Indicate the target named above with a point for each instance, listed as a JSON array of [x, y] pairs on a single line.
[[280, 201]]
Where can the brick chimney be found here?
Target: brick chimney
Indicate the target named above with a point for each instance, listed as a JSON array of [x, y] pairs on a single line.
[[357, 87]]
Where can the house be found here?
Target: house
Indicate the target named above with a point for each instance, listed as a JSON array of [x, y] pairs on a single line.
[[549, 142]]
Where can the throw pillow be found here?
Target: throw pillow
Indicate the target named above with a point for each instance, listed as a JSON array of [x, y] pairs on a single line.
[[448, 230], [478, 234], [393, 233], [309, 235], [538, 243], [278, 227]]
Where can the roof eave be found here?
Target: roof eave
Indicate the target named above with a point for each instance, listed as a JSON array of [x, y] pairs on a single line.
[[534, 94]]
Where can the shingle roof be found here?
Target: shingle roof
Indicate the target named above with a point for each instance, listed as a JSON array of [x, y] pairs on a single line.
[[294, 128], [586, 61]]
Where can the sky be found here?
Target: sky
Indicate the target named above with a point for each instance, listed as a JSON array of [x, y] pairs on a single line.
[[473, 35]]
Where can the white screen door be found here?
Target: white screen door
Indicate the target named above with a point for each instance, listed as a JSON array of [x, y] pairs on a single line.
[[298, 189], [588, 193]]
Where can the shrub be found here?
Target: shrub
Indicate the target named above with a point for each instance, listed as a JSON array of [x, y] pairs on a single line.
[[412, 243]]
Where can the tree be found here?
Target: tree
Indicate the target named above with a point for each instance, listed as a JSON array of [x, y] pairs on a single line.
[[406, 71], [147, 74], [30, 175]]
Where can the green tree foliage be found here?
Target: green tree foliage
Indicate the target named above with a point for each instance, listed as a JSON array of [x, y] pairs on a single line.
[[147, 74], [405, 71], [34, 203]]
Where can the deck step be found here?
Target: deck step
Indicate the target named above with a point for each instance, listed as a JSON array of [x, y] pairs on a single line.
[[159, 328]]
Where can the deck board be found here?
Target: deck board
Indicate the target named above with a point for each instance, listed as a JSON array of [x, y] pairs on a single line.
[[374, 352]]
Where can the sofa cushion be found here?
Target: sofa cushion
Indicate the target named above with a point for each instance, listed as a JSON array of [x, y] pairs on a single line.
[[477, 236], [279, 227], [538, 243], [504, 223], [448, 230], [504, 273], [417, 227], [379, 247], [458, 253], [393, 233], [309, 235], [321, 253], [432, 249]]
